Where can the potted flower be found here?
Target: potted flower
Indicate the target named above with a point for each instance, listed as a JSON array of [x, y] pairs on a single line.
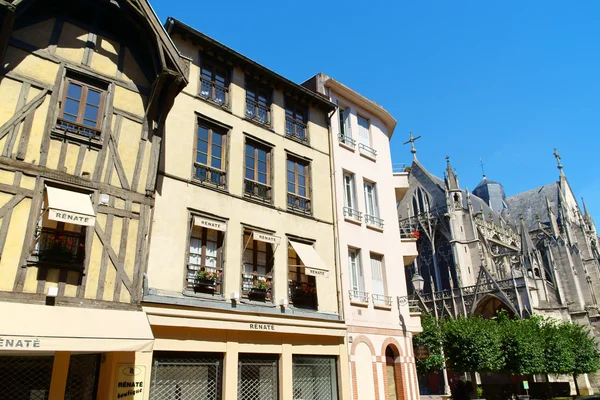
[[414, 235], [260, 289], [206, 281], [304, 295]]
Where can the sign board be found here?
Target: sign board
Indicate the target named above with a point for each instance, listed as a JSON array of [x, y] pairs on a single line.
[[421, 352], [19, 343], [525, 385], [316, 272], [130, 383], [210, 223], [263, 237], [71, 217]]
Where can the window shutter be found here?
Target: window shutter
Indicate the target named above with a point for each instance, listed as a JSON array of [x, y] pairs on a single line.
[[347, 125], [377, 275], [363, 131], [375, 202]]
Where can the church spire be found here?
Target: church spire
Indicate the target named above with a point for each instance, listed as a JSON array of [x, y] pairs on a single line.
[[413, 150], [559, 166], [451, 179], [585, 210], [527, 246]]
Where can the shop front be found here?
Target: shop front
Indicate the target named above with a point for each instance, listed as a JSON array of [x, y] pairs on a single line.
[[54, 352], [216, 355]]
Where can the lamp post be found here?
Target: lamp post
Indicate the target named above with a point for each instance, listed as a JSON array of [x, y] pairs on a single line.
[[418, 282]]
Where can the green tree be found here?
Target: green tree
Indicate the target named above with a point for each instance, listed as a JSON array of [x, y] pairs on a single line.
[[558, 354], [586, 358], [432, 338], [522, 345]]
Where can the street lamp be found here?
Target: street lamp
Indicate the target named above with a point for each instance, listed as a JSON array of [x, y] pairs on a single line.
[[418, 282]]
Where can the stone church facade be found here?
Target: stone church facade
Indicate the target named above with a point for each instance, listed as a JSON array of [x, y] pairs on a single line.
[[532, 253]]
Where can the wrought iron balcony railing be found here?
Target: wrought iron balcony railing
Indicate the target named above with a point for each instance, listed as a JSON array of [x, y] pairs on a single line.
[[382, 300], [60, 247], [258, 112], [366, 150], [215, 92], [257, 190], [359, 296], [352, 213], [374, 221], [77, 129], [298, 203], [348, 141], [296, 129], [206, 174]]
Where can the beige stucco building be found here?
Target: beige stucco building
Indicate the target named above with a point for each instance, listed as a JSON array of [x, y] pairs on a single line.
[[371, 253], [241, 289]]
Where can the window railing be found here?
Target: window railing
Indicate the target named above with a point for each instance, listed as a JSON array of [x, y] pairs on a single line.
[[352, 213], [303, 294], [296, 129], [257, 190], [206, 174], [382, 300], [199, 280], [215, 92], [359, 296], [374, 221], [257, 286], [258, 112], [298, 203], [77, 129], [60, 247], [366, 150], [348, 141]]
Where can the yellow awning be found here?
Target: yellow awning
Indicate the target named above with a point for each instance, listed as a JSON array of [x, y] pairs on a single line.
[[311, 260], [71, 207], [30, 327]]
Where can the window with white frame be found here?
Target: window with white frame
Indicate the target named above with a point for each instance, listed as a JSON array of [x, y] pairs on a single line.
[[372, 205], [357, 281], [345, 135], [364, 138], [350, 203], [377, 281]]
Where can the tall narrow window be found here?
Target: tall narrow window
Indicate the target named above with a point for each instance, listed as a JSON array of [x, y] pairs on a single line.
[[214, 83], [377, 274], [295, 122], [209, 165], [297, 182], [364, 138], [257, 276], [357, 279], [371, 205], [302, 287], [258, 103], [350, 203], [205, 269], [257, 178], [81, 109], [345, 127]]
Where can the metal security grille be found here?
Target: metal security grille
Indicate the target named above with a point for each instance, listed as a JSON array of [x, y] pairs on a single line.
[[314, 378], [187, 377], [25, 378], [257, 378], [82, 380]]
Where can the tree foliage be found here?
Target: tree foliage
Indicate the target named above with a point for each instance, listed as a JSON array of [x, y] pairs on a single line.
[[432, 338], [586, 358], [558, 354], [522, 345]]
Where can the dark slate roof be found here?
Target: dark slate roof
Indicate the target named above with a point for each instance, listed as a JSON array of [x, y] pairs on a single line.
[[531, 204]]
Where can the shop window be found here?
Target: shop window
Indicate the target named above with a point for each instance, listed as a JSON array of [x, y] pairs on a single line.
[[257, 377], [187, 376], [314, 378], [25, 377], [82, 380], [205, 261], [257, 274]]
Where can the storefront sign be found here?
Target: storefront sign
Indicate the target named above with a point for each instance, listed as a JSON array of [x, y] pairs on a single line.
[[210, 223], [262, 327], [19, 343], [263, 237], [421, 352], [130, 382], [316, 272], [71, 217]]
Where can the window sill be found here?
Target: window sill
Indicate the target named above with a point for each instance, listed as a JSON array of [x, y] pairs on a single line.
[[225, 108], [297, 140], [359, 303], [76, 138], [353, 220], [368, 156], [375, 228], [347, 146], [207, 296], [382, 307], [208, 185], [299, 212], [258, 123], [34, 262], [258, 199]]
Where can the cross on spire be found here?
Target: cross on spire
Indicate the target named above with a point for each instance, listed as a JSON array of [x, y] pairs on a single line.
[[557, 156], [481, 164], [412, 140]]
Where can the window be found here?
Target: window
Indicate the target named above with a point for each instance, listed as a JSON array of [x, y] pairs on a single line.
[[357, 279], [297, 182], [302, 287], [345, 135], [209, 166], [258, 377], [258, 103], [205, 269], [214, 83], [295, 122], [364, 138], [81, 109], [350, 204], [187, 376], [314, 377], [257, 276], [371, 205], [257, 178], [378, 282]]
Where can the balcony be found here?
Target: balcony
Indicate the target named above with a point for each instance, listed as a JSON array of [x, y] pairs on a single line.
[[295, 129], [358, 296], [208, 175], [367, 151], [258, 112], [214, 92], [400, 180], [298, 203], [204, 279], [60, 247], [351, 213], [83, 131], [374, 221], [382, 301], [347, 141], [258, 191], [409, 235], [303, 294]]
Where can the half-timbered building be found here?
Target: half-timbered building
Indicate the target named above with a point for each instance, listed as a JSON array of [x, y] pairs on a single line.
[[85, 88]]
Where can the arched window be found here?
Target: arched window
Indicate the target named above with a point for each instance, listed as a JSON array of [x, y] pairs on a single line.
[[392, 369]]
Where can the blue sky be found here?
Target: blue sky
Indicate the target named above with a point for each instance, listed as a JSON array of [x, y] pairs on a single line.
[[507, 81]]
